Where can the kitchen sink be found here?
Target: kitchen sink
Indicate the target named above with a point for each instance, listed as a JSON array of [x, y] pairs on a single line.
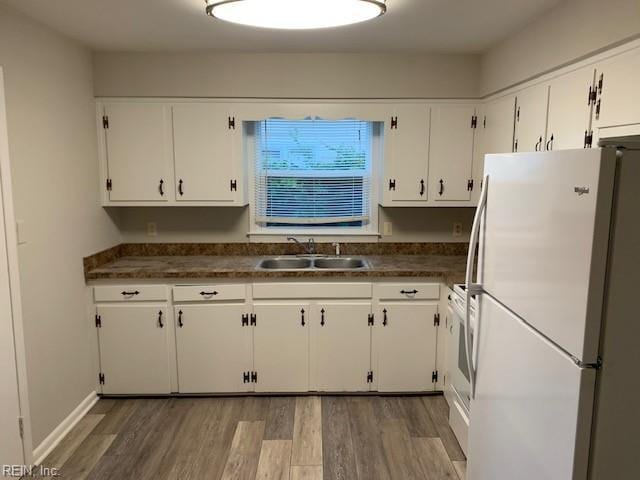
[[302, 263], [285, 263], [340, 263]]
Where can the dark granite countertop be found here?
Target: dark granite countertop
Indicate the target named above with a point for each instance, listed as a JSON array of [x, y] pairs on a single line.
[[449, 268]]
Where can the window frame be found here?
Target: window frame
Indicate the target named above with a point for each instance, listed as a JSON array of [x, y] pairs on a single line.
[[370, 231]]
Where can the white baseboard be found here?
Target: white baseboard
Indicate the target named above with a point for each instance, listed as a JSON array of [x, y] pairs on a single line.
[[54, 438]]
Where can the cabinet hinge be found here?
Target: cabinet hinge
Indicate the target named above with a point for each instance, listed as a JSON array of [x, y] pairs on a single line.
[[21, 426], [233, 185], [370, 322], [392, 184], [518, 114], [369, 377], [484, 122], [253, 319], [598, 109], [434, 377], [232, 123], [436, 320], [593, 95], [254, 377], [105, 121], [101, 378], [245, 319], [109, 184], [588, 138], [600, 83], [515, 145], [246, 377], [394, 123], [470, 185], [98, 321], [474, 121]]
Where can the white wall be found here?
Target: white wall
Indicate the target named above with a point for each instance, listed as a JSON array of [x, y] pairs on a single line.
[[52, 144], [572, 30], [285, 75], [206, 224]]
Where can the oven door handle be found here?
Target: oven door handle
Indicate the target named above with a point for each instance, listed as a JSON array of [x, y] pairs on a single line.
[[472, 288]]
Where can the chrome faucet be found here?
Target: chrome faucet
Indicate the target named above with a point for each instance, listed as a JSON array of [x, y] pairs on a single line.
[[310, 247]]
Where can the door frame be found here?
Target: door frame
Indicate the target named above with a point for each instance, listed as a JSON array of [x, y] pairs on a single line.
[[14, 278]]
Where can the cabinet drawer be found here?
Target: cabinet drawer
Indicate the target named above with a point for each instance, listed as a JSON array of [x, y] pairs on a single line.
[[311, 290], [208, 293], [408, 291], [129, 293]]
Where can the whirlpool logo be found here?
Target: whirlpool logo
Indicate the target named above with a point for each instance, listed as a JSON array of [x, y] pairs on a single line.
[[581, 190]]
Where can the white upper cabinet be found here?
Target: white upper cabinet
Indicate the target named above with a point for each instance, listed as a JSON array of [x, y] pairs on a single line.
[[494, 134], [406, 162], [451, 152], [203, 138], [531, 118], [570, 110], [618, 101], [137, 152]]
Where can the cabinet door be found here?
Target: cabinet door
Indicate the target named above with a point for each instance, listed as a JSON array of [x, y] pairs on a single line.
[[493, 135], [531, 118], [617, 81], [138, 151], [281, 347], [405, 337], [407, 155], [569, 110], [214, 348], [451, 152], [134, 353], [341, 347], [203, 150]]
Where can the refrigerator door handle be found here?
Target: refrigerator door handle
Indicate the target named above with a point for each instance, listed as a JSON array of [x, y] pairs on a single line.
[[473, 288]]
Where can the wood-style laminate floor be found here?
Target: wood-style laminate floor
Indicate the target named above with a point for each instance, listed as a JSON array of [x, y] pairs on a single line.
[[247, 438]]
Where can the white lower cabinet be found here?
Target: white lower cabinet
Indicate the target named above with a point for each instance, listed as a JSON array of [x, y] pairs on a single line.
[[405, 336], [134, 349], [281, 346], [214, 348], [341, 346]]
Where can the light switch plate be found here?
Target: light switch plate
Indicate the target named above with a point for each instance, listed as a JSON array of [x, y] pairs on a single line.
[[152, 229], [387, 229], [457, 229]]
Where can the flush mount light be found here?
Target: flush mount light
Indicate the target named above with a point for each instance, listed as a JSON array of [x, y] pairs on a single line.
[[296, 14]]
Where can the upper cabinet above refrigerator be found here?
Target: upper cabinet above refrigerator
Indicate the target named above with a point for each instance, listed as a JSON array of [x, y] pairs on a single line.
[[570, 106], [531, 119], [617, 105]]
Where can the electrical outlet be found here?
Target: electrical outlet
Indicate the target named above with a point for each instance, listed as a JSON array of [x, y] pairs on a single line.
[[457, 229], [152, 229], [387, 229]]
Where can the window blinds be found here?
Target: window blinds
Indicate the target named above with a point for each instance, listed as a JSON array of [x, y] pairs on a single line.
[[313, 172]]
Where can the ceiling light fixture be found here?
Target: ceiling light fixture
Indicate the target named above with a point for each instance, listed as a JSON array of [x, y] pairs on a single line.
[[296, 14]]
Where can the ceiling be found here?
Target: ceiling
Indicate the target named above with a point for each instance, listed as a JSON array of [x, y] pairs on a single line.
[[444, 26]]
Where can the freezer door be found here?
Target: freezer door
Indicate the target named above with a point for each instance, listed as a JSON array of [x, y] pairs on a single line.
[[543, 242], [531, 414]]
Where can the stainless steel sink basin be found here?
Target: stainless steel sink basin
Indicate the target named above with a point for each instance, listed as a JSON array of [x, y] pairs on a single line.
[[339, 263], [285, 263]]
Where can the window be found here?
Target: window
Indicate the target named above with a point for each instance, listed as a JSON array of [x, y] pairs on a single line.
[[313, 174]]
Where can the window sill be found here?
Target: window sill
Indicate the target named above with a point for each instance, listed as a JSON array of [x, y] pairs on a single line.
[[323, 237]]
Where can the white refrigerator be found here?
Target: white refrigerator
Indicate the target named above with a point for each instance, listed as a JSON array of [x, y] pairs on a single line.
[[555, 358]]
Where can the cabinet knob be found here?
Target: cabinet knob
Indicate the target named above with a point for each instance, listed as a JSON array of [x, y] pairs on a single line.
[[384, 317], [302, 322], [422, 187], [180, 324], [160, 322], [441, 191], [161, 187], [322, 317], [180, 191]]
